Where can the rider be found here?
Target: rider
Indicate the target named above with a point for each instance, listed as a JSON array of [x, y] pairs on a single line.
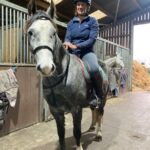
[[81, 35]]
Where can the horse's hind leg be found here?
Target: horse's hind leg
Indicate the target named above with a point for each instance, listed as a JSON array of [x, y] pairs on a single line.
[[98, 129], [77, 117], [60, 120], [94, 118], [100, 113]]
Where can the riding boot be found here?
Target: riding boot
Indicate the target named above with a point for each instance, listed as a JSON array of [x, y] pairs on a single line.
[[100, 88]]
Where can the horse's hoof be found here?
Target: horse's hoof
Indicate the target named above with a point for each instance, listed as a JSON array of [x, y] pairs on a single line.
[[98, 138], [63, 147], [79, 147]]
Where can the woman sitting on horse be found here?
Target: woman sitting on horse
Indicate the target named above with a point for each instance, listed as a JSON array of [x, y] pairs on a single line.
[[81, 35]]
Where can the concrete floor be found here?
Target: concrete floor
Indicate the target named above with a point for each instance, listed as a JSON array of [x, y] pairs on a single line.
[[126, 126]]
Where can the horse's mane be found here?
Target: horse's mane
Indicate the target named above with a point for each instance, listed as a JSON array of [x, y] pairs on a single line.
[[38, 15]]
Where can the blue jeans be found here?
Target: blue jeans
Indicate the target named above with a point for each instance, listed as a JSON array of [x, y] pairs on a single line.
[[91, 60]]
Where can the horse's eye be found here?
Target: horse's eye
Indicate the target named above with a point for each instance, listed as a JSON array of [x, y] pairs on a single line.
[[30, 33], [51, 36]]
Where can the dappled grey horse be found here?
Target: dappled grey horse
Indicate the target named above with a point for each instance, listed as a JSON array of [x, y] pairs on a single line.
[[64, 86]]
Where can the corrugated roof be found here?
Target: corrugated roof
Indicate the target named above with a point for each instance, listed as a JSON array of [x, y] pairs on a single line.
[[114, 9]]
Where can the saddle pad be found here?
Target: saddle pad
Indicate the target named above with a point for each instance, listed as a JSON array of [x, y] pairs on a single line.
[[86, 73], [103, 74], [85, 70]]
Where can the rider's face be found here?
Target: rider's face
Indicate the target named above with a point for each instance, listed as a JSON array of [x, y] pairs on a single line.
[[81, 8]]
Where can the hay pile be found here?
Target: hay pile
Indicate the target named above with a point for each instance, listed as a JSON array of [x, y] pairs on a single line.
[[140, 78]]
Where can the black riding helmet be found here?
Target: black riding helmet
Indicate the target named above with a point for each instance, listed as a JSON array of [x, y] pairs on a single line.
[[85, 1]]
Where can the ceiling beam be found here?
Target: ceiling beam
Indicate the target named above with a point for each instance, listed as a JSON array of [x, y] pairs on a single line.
[[98, 7], [42, 4], [116, 13], [137, 4]]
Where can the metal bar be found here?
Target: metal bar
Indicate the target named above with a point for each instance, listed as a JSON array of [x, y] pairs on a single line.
[[10, 30], [20, 37], [148, 15], [107, 41], [17, 34], [14, 37], [2, 53], [6, 27], [14, 6], [104, 50], [28, 55], [16, 64], [125, 44], [24, 48]]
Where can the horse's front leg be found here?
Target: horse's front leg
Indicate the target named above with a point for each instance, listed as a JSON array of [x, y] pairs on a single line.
[[77, 117], [60, 120]]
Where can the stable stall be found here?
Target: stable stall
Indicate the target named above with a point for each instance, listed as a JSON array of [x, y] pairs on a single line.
[[116, 20]]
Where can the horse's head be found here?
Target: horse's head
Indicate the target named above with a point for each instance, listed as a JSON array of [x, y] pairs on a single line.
[[42, 37], [119, 60]]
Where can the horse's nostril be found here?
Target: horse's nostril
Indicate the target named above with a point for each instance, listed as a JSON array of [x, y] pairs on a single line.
[[53, 67], [38, 68]]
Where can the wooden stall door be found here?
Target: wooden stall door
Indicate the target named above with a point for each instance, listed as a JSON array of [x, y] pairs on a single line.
[[27, 109]]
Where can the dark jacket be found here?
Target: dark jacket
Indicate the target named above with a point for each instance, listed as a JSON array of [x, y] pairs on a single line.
[[82, 34]]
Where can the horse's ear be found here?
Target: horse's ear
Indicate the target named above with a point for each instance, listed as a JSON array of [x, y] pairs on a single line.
[[51, 11], [31, 7]]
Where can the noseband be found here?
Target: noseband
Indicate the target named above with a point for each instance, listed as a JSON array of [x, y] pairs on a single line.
[[34, 51]]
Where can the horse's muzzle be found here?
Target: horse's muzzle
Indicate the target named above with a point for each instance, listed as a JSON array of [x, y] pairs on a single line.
[[46, 70]]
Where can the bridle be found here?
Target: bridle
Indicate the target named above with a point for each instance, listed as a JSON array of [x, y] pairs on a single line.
[[35, 50]]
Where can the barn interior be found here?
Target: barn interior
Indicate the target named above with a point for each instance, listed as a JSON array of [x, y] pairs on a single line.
[[115, 19], [105, 11]]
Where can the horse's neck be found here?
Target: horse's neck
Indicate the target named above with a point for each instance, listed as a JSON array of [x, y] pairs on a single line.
[[111, 61], [61, 55], [61, 52]]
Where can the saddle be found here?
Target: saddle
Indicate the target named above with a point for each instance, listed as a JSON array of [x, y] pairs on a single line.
[[91, 95], [85, 70]]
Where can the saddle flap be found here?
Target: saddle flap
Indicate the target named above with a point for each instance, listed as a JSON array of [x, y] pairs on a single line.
[[85, 70]]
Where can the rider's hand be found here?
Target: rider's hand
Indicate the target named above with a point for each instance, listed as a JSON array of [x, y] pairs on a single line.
[[69, 45], [72, 46], [66, 44]]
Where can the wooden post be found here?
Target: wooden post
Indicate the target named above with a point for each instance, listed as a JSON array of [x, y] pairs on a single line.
[[130, 55]]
